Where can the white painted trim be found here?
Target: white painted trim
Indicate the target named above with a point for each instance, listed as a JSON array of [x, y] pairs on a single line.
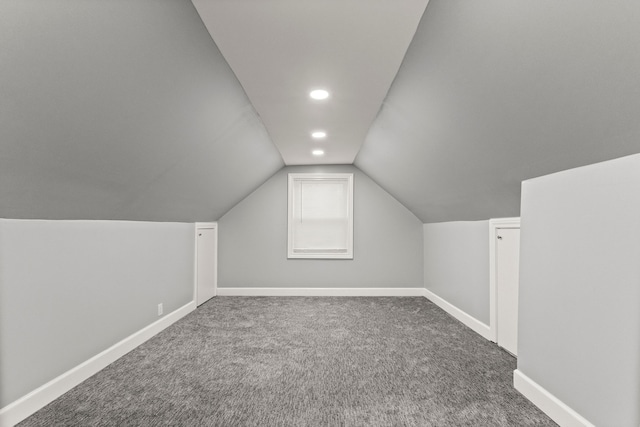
[[45, 394], [206, 225], [494, 225], [194, 297], [477, 326], [201, 226], [557, 410], [322, 292]]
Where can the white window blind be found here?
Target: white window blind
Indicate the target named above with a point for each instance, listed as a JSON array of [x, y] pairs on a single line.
[[320, 215]]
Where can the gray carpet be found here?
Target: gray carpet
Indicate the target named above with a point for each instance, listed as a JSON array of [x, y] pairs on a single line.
[[297, 361]]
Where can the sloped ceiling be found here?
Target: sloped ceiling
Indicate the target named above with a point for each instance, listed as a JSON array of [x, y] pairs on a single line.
[[128, 110], [282, 49], [494, 92], [122, 110]]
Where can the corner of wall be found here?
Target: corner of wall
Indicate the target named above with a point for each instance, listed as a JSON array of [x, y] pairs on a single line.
[[27, 405]]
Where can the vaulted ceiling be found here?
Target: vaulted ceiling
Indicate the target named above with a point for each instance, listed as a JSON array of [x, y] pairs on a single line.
[[280, 50], [495, 92], [128, 110], [122, 111]]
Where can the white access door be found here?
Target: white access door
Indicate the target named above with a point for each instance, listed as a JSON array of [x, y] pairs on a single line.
[[507, 281], [206, 262]]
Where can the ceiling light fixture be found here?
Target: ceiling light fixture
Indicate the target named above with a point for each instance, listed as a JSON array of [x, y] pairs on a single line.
[[319, 94], [317, 152], [319, 134]]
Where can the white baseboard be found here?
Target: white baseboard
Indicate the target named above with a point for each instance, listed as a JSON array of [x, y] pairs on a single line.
[[45, 394], [470, 321], [321, 292], [548, 403]]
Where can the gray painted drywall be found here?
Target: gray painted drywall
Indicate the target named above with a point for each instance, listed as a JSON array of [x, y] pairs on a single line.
[[494, 92], [253, 241], [122, 110], [579, 309], [456, 265], [71, 289]]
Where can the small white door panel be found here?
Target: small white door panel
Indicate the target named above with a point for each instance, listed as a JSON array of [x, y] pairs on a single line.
[[206, 263], [507, 282]]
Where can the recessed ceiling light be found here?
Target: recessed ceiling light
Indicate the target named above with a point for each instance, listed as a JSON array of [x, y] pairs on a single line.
[[319, 134], [319, 94], [317, 152]]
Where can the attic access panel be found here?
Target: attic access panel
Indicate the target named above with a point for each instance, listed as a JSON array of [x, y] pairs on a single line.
[[320, 215]]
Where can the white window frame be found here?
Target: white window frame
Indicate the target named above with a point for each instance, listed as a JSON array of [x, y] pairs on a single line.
[[309, 253]]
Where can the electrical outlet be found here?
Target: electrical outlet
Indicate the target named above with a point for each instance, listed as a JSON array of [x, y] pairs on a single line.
[[160, 309]]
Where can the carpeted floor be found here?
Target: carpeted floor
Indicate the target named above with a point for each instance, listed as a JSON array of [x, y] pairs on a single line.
[[298, 361]]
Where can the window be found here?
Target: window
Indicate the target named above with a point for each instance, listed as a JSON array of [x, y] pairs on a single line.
[[320, 215]]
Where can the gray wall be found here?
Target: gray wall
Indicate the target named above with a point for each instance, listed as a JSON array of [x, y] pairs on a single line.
[[456, 265], [71, 289], [494, 92], [122, 110], [253, 241], [579, 325]]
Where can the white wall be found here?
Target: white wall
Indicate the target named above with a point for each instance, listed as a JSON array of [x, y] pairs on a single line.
[[71, 289], [456, 265], [579, 329], [253, 241]]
